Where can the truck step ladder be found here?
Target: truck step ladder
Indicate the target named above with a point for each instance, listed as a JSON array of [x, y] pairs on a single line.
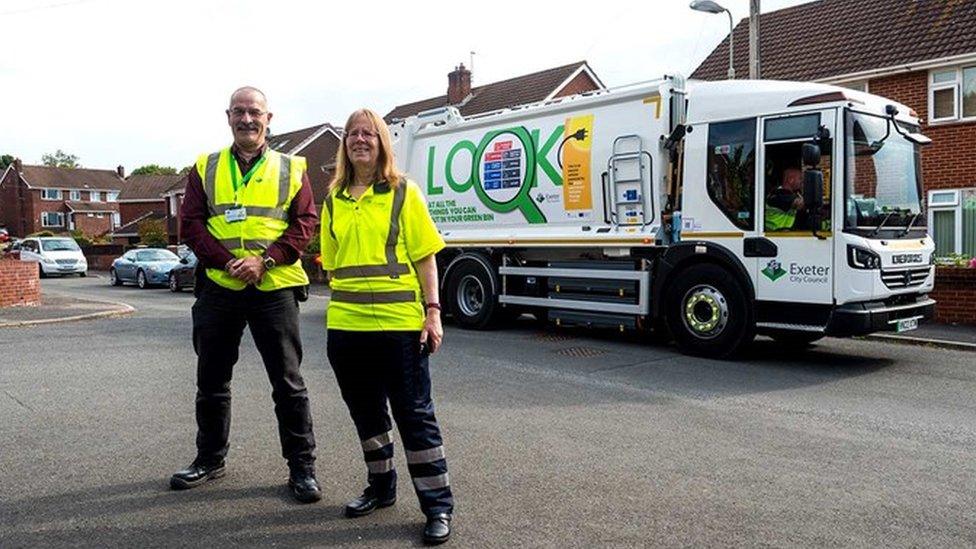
[[629, 172]]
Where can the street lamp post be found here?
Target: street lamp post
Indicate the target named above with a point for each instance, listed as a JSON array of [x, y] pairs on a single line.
[[708, 6]]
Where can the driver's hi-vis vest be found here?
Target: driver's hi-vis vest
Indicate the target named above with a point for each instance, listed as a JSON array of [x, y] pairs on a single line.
[[261, 208]]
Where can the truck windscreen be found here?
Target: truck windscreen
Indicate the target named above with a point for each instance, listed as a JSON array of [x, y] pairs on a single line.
[[883, 183]]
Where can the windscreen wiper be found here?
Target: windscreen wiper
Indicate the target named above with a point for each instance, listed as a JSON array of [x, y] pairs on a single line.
[[910, 223], [883, 221]]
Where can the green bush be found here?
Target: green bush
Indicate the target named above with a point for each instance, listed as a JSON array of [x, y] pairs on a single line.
[[83, 240]]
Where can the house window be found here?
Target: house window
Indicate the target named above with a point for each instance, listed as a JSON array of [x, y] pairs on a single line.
[[117, 219], [859, 85], [75, 194], [952, 94], [50, 194], [731, 177], [52, 219], [96, 196], [952, 217], [112, 196]]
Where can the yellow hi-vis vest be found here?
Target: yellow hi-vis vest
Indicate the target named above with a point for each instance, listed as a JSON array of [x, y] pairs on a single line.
[[266, 198], [369, 247]]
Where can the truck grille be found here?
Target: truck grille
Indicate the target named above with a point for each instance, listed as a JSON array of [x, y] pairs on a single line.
[[66, 262], [904, 279]]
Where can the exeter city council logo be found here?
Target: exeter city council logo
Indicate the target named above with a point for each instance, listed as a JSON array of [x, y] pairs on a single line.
[[773, 270]]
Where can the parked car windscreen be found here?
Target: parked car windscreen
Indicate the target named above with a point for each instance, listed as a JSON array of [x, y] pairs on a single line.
[[156, 255], [59, 245]]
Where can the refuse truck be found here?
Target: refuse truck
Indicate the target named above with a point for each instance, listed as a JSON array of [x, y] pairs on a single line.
[[713, 211]]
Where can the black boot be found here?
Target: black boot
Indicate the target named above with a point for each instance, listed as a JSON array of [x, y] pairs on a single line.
[[304, 486], [367, 503], [196, 474], [438, 529]]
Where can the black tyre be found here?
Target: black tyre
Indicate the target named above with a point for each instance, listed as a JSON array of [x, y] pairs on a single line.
[[141, 280], [174, 283], [82, 274], [113, 277], [40, 271], [708, 312], [795, 339], [471, 295]]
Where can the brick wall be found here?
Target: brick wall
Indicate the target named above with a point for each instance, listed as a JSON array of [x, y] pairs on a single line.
[[955, 295], [581, 83], [131, 210], [34, 205], [949, 161], [19, 283], [93, 226]]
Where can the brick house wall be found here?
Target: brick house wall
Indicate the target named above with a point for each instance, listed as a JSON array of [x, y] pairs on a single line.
[[34, 206], [950, 161], [21, 283], [581, 83], [955, 295], [10, 202], [93, 226]]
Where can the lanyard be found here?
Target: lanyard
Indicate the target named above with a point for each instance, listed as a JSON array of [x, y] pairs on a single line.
[[235, 173]]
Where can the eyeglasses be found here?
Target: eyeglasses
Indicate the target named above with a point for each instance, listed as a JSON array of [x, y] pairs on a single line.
[[365, 134], [238, 112]]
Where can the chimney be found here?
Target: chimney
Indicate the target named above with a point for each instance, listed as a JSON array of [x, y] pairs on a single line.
[[458, 85], [18, 166], [121, 171]]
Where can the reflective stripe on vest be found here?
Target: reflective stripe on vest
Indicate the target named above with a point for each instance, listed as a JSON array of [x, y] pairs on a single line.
[[374, 298], [392, 268], [279, 212]]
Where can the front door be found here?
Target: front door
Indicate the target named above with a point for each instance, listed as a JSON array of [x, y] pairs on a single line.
[[798, 265]]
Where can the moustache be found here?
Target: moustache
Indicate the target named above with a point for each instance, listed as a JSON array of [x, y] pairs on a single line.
[[248, 127]]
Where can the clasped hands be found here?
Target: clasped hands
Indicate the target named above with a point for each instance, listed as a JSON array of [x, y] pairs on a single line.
[[249, 269]]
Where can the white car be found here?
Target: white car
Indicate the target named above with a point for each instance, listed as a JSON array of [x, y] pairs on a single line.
[[54, 254]]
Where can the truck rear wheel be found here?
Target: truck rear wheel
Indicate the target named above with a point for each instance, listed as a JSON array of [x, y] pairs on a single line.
[[471, 295], [707, 312]]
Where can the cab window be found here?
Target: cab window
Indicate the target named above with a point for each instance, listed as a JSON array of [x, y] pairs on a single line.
[[731, 177], [783, 205]]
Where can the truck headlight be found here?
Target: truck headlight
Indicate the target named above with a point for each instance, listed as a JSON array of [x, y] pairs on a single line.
[[862, 258]]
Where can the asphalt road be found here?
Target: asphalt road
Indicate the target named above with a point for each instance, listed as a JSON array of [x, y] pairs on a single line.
[[553, 439]]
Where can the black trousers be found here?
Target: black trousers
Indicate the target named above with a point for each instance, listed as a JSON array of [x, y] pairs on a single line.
[[219, 318], [373, 368]]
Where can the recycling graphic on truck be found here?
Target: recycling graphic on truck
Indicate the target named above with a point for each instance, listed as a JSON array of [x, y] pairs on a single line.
[[705, 210]]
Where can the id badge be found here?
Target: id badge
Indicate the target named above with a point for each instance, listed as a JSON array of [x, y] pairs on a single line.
[[236, 214]]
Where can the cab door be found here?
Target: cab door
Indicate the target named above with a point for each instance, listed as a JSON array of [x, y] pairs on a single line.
[[795, 262]]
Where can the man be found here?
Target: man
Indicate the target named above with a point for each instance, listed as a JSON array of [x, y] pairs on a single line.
[[248, 213], [784, 202]]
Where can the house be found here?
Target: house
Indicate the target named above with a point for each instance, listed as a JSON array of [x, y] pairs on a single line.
[[318, 144], [529, 88], [921, 53], [39, 198], [174, 200], [141, 199]]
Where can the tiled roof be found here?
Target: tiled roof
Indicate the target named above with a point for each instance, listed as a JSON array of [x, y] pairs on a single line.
[[132, 228], [179, 185], [147, 187], [838, 37], [520, 90], [72, 178], [82, 206], [289, 142]]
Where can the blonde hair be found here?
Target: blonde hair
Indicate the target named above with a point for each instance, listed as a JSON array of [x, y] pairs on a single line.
[[386, 169]]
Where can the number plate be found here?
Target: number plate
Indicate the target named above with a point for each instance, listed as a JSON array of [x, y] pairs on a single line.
[[906, 324]]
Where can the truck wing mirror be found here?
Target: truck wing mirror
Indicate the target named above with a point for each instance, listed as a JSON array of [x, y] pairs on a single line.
[[811, 155], [813, 202]]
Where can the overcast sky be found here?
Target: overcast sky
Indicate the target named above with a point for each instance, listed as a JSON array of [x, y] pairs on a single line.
[[136, 82]]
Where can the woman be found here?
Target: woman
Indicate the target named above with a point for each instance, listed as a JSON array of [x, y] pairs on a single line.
[[378, 246]]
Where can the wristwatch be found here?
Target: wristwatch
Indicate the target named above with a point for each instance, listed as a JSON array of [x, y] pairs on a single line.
[[434, 306], [269, 262]]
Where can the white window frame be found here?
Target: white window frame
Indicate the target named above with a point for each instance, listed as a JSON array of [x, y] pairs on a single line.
[[75, 194], [95, 196], [56, 192], [956, 87], [856, 85], [116, 219], [112, 196], [45, 217], [955, 206]]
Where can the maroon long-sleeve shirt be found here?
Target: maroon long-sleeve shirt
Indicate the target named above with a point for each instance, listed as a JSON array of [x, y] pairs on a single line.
[[302, 221]]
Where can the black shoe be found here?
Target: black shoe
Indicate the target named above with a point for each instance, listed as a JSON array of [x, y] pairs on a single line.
[[367, 503], [304, 486], [438, 529], [196, 474]]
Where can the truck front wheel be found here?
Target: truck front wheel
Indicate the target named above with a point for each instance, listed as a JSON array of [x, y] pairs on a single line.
[[707, 312], [471, 294]]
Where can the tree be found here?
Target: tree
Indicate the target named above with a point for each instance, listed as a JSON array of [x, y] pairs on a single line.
[[154, 169], [60, 159], [5, 160], [152, 232]]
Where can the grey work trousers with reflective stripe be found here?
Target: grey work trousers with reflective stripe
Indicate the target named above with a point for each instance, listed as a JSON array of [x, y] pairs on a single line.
[[373, 368]]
